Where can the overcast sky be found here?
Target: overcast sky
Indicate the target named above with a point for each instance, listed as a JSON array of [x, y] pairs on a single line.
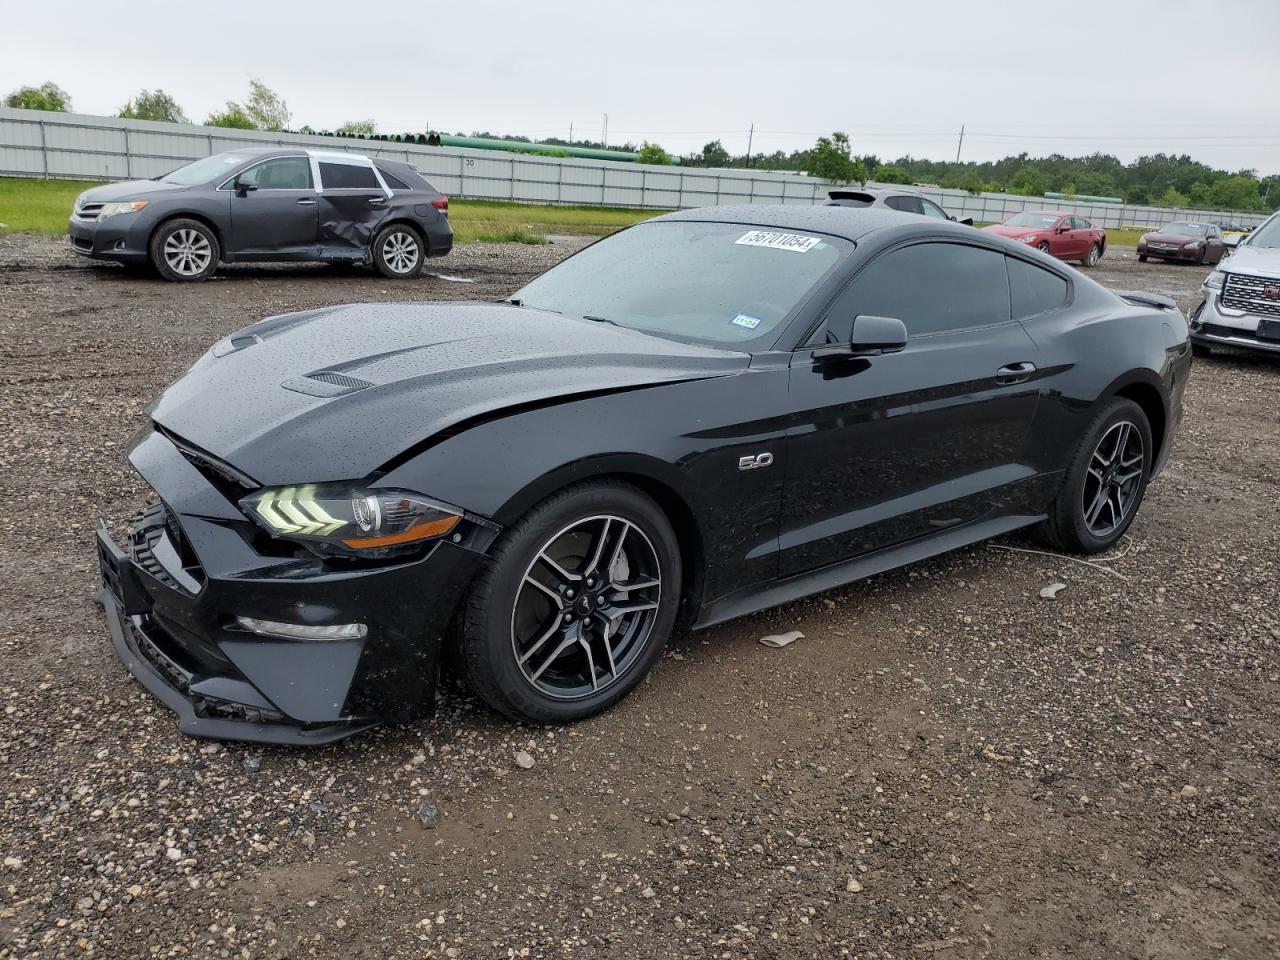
[[1123, 77]]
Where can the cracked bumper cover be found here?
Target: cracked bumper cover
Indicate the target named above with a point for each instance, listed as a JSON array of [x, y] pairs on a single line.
[[177, 633]]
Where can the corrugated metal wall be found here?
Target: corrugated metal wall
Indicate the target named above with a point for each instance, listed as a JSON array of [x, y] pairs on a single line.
[[35, 143]]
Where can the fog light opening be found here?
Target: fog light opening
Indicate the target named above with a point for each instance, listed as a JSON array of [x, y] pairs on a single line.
[[303, 631]]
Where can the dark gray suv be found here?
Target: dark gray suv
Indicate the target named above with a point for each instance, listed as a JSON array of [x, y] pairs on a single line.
[[267, 205]]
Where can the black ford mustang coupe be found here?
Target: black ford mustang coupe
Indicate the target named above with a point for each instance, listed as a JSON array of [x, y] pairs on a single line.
[[701, 416]]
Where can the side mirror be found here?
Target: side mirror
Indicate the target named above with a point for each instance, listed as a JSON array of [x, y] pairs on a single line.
[[243, 187], [964, 221], [871, 337]]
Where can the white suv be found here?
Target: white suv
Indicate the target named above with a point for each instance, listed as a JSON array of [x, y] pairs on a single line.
[[1242, 297]]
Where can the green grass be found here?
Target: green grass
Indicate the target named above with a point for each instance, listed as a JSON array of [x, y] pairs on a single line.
[[42, 206], [38, 206]]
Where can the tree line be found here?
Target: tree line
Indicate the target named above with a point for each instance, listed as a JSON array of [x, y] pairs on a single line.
[[1165, 180]]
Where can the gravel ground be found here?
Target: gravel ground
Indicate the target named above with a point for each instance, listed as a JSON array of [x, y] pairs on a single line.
[[946, 764]]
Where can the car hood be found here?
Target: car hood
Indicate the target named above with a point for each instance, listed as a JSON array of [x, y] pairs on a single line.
[[128, 190], [1177, 238], [1004, 230], [334, 394], [1259, 261]]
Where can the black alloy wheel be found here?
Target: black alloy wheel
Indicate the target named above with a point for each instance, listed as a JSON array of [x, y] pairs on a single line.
[[1105, 481], [575, 606]]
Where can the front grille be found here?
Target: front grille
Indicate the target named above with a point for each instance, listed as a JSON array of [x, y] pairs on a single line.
[[218, 709], [1256, 295], [88, 211], [151, 525], [80, 243]]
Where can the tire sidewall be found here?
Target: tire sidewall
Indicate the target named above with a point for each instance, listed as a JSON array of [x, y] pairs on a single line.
[[489, 623], [380, 240], [1071, 514], [166, 230]]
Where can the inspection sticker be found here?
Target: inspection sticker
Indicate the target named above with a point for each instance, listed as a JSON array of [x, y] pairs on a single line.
[[795, 242], [742, 320]]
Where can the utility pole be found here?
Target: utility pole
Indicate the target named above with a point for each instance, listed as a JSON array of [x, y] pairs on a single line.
[[750, 136], [960, 144], [571, 131], [604, 133]]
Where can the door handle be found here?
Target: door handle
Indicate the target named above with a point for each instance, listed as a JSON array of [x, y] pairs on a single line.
[[1018, 372], [306, 203], [377, 201]]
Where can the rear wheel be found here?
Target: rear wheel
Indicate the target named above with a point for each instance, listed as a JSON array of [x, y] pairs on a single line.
[[1094, 255], [184, 251], [398, 251], [1105, 482], [575, 605]]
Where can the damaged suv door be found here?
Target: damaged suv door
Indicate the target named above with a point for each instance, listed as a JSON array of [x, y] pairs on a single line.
[[353, 202]]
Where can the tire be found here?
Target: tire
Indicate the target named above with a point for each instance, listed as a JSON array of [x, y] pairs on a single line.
[[398, 251], [1072, 525], [184, 251], [1044, 247], [1142, 258], [1200, 350], [523, 649], [1093, 256]]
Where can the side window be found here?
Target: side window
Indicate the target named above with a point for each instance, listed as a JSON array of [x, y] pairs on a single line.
[[392, 181], [905, 204], [1033, 289], [1080, 223], [931, 287], [336, 176], [931, 209], [282, 173]]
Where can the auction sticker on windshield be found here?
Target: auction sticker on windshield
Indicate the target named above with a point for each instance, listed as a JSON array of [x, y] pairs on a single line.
[[795, 242]]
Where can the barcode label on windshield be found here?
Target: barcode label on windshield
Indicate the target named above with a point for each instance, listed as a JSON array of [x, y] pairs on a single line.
[[795, 242]]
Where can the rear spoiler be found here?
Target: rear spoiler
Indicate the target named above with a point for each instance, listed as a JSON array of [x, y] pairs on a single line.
[[1141, 298]]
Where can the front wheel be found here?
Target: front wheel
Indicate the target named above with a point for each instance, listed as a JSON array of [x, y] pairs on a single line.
[[184, 251], [575, 605], [1044, 246], [1105, 482], [1142, 258], [1200, 350], [398, 252], [1094, 255]]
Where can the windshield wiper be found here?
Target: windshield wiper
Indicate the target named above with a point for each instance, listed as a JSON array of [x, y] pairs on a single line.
[[594, 318]]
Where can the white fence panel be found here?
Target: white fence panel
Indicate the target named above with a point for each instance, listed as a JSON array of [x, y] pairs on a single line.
[[37, 143]]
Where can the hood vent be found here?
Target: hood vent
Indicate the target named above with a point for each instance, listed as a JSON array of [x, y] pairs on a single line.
[[326, 383]]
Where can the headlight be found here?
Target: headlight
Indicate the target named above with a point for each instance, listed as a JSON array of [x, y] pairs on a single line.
[[356, 522], [1195, 244], [1216, 280], [1029, 238], [128, 206]]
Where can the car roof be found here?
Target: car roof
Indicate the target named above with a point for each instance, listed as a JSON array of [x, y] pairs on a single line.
[[873, 192], [301, 151], [848, 222]]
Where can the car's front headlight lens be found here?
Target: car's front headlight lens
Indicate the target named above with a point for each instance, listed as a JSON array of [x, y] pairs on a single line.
[[358, 522], [128, 206], [1196, 244], [1216, 280], [1029, 238]]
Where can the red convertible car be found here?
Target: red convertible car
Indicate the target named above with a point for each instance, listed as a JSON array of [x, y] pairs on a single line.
[[1062, 235]]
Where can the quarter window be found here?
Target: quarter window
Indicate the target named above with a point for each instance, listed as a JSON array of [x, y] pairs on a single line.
[[337, 176], [282, 173], [394, 182], [1033, 289], [930, 287], [905, 204]]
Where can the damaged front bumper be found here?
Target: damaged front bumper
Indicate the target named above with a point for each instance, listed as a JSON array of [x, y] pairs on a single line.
[[194, 565]]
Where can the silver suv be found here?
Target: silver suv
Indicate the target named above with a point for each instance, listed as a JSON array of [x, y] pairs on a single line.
[[1242, 297]]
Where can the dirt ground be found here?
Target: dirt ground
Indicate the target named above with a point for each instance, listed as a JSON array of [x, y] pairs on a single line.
[[946, 764]]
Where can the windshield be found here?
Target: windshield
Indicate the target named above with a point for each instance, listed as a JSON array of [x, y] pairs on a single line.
[[1041, 221], [202, 171], [722, 283], [1267, 235], [1184, 229]]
